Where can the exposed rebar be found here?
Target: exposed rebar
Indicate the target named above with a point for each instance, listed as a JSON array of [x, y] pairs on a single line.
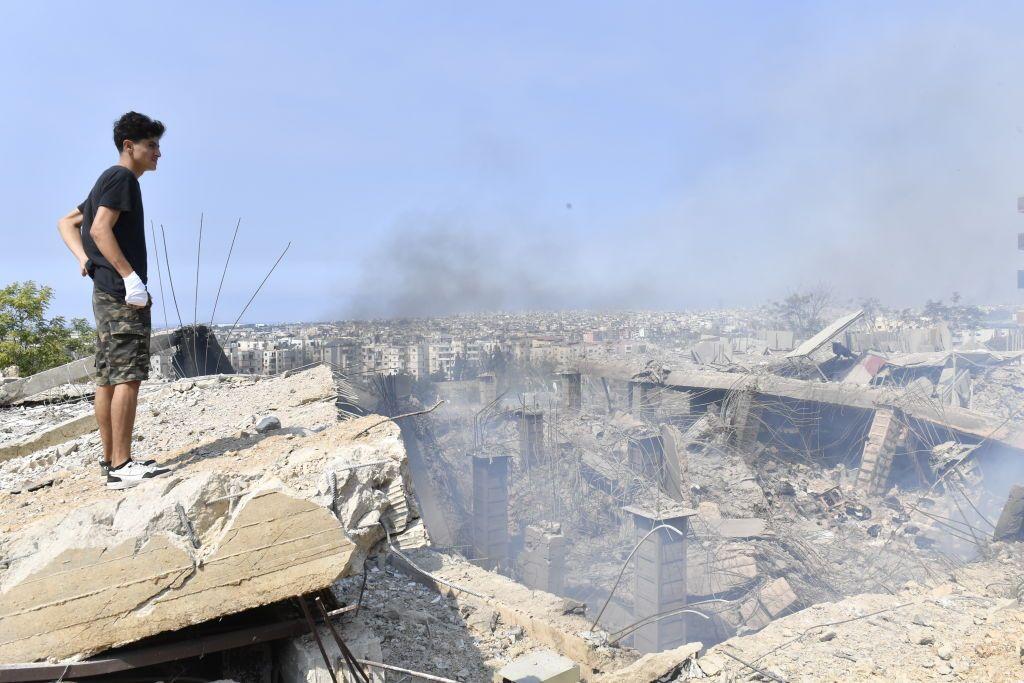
[[170, 278], [248, 303], [216, 299]]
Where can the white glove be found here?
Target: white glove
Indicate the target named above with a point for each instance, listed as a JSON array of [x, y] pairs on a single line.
[[135, 293]]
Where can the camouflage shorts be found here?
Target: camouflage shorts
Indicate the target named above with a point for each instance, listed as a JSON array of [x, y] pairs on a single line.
[[122, 339]]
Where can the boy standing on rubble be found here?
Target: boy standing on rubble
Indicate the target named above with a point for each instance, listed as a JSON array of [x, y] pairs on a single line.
[[107, 234]]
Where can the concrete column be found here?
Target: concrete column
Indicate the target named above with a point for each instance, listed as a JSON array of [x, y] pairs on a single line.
[[488, 384], [647, 457], [572, 390], [1010, 526], [490, 509], [676, 468], [879, 450], [746, 420], [531, 436], [659, 577], [543, 559]]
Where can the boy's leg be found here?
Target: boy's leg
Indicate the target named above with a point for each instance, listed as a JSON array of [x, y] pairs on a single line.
[[104, 395], [122, 420]]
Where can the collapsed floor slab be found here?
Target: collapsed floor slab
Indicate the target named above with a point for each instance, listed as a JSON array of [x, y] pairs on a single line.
[[282, 515], [541, 615], [969, 424]]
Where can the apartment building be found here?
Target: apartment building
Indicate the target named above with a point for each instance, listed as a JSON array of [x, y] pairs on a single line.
[[441, 355], [415, 360], [345, 355], [383, 358]]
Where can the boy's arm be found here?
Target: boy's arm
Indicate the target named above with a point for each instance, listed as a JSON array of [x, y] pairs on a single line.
[[70, 229], [102, 231]]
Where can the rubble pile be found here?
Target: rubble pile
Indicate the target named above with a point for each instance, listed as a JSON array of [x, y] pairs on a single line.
[[181, 421], [839, 514], [1000, 391], [20, 423], [963, 625], [788, 515], [244, 519], [422, 630]]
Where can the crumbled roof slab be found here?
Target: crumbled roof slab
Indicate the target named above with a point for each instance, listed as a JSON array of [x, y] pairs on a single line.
[[969, 423], [242, 521]]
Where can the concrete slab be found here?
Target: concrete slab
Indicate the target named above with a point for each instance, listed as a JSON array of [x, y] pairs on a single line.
[[273, 516], [58, 434], [542, 666]]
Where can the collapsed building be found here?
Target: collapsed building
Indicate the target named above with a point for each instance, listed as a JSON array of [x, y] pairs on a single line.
[[824, 515], [698, 504]]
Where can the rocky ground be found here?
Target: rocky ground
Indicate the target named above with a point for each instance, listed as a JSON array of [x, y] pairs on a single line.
[[1000, 391], [424, 631], [923, 601], [183, 423], [20, 422], [968, 625]]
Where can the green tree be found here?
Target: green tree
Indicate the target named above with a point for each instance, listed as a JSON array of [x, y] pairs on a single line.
[[872, 308], [32, 342], [958, 316], [803, 312], [936, 311]]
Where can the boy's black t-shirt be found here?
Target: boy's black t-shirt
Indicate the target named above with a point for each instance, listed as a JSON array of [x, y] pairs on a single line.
[[116, 188]]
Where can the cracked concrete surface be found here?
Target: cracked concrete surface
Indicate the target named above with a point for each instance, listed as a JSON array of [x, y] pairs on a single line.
[[119, 566]]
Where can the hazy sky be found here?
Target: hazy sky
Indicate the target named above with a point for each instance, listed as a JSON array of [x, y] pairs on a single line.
[[433, 157]]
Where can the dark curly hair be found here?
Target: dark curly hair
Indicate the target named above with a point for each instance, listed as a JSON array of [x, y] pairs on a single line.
[[135, 127]]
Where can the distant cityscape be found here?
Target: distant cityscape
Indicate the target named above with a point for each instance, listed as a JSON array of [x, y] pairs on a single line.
[[461, 347]]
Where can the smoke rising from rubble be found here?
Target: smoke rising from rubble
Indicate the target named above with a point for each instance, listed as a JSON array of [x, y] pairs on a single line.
[[889, 170], [435, 265], [884, 167]]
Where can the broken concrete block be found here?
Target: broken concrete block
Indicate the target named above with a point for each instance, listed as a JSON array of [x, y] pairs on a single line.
[[268, 424], [721, 572], [58, 434], [879, 451], [123, 567], [87, 599], [712, 664], [774, 600], [709, 511], [656, 666], [1010, 526], [299, 659], [541, 666], [542, 561]]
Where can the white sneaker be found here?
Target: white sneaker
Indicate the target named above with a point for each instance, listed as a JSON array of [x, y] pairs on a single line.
[[131, 474], [105, 466]]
